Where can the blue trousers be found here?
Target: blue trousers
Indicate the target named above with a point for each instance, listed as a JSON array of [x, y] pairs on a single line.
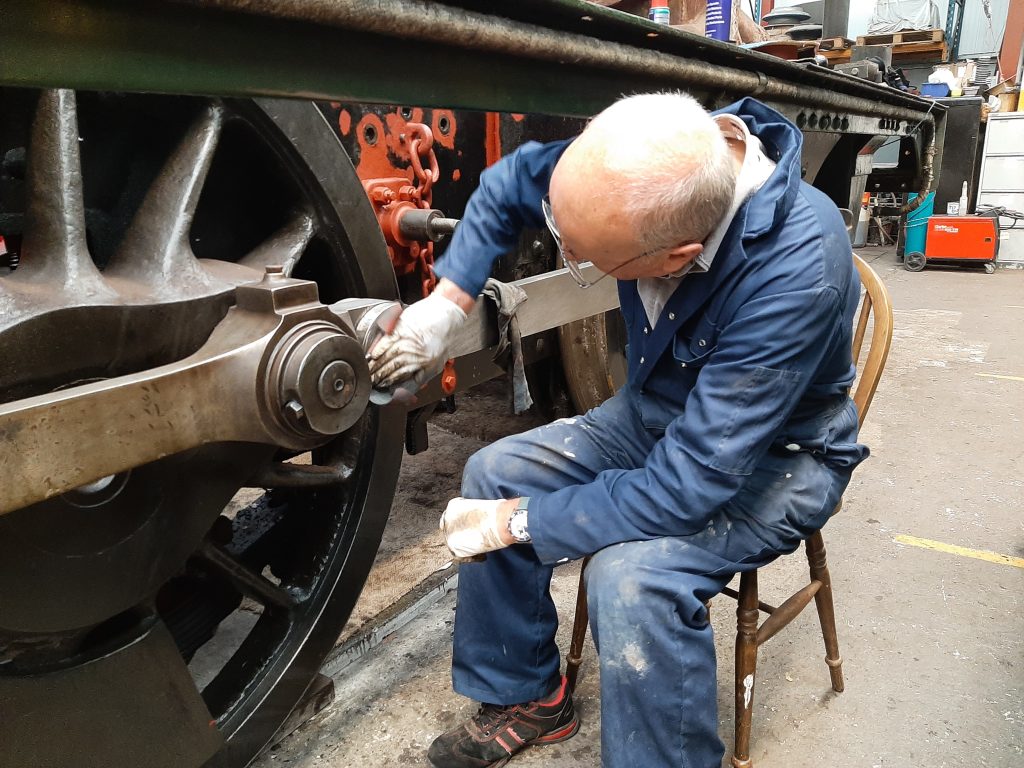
[[646, 598]]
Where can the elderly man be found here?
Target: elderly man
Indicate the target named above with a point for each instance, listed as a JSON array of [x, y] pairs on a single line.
[[732, 441]]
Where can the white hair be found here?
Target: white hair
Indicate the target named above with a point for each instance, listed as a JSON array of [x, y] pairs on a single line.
[[677, 174]]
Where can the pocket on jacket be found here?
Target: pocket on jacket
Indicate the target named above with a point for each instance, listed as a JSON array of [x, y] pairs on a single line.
[[692, 351], [759, 393]]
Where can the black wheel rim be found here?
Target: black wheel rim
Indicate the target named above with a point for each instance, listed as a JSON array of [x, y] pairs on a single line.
[[277, 185]]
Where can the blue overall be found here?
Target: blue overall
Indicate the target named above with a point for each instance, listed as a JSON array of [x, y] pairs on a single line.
[[732, 441]]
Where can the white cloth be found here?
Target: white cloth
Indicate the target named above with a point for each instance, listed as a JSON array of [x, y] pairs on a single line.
[[894, 15], [757, 167]]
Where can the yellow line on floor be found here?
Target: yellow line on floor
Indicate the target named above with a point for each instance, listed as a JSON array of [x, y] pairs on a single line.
[[979, 554], [997, 376]]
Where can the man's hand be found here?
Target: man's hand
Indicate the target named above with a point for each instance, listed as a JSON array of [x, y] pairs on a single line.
[[474, 526], [418, 346]]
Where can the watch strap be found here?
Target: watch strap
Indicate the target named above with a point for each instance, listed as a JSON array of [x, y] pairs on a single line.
[[518, 520]]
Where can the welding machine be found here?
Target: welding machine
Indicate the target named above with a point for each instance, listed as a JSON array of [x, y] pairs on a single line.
[[958, 240]]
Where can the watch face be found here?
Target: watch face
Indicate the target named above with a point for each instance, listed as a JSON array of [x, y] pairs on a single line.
[[517, 526]]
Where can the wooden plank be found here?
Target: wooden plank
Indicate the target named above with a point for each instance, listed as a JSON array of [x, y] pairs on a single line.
[[904, 52], [837, 56], [906, 36], [790, 50], [834, 43], [923, 51]]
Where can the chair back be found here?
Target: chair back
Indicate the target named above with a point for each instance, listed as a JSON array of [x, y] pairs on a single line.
[[875, 306]]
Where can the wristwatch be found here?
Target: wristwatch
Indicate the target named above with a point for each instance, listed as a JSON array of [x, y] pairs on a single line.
[[517, 521]]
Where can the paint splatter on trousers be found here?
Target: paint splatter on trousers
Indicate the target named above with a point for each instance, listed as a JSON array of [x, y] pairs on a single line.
[[646, 598]]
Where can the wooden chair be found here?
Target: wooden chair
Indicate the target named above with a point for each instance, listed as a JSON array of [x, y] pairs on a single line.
[[750, 636]]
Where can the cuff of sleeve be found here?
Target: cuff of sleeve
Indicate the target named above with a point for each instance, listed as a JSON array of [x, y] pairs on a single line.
[[470, 286], [547, 542]]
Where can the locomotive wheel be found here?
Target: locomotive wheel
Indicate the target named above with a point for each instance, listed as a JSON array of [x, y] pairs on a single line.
[[593, 358], [176, 611]]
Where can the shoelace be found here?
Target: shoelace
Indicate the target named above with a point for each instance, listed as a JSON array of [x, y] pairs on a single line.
[[492, 717]]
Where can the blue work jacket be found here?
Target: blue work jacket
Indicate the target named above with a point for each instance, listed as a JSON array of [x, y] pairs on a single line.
[[750, 357]]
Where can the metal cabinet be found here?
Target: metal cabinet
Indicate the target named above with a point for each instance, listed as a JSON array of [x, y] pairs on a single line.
[[1002, 180]]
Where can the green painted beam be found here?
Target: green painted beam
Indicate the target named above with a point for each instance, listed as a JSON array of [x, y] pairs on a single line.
[[172, 48], [558, 57]]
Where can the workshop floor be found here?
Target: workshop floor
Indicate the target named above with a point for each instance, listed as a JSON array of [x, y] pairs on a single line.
[[927, 559]]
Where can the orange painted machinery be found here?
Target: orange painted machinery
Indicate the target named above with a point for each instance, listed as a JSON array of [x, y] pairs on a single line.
[[958, 240]]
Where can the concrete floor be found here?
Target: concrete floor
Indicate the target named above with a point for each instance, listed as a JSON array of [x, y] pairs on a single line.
[[933, 640]]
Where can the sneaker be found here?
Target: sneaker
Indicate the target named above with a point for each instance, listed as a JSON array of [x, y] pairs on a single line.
[[495, 733]]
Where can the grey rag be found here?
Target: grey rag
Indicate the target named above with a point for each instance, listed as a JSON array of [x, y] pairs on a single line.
[[509, 354]]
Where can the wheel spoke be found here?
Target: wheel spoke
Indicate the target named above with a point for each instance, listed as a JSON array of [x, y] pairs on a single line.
[[257, 651], [286, 475], [250, 584], [156, 247], [285, 246], [54, 247]]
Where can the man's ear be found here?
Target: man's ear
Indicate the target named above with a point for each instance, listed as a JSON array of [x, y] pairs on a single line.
[[678, 257]]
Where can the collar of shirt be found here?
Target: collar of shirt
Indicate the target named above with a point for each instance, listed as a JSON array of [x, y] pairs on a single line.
[[757, 167]]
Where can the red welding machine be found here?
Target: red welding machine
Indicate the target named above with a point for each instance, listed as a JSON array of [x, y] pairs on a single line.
[[958, 240]]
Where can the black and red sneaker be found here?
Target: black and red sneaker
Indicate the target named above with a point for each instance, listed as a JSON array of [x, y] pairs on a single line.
[[495, 733]]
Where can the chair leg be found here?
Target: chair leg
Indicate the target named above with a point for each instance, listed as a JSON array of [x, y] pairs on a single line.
[[579, 631], [815, 547], [746, 666]]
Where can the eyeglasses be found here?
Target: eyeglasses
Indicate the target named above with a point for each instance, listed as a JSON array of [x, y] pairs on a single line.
[[572, 264]]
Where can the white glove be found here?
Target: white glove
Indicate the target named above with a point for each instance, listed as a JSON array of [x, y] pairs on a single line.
[[471, 526], [418, 346]]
